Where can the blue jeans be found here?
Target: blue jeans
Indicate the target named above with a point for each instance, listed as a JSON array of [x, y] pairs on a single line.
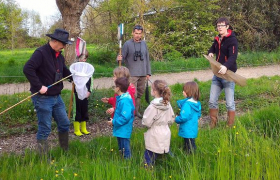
[[46, 108], [218, 84], [150, 157], [124, 147]]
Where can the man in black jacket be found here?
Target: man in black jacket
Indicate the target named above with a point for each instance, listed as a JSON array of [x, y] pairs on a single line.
[[225, 47], [45, 67]]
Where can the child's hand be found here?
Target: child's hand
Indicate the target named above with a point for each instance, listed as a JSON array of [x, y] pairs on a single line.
[[88, 94], [110, 111], [105, 100], [110, 122]]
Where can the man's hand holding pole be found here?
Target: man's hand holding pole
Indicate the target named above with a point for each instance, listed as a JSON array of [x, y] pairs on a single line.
[[119, 58]]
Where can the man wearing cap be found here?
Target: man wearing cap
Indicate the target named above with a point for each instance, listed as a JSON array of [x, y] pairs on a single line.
[[135, 55], [45, 67]]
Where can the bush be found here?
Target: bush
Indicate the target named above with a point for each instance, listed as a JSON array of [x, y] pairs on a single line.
[[173, 55], [102, 55]]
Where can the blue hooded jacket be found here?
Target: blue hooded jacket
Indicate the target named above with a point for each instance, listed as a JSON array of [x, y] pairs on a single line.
[[188, 118], [124, 116]]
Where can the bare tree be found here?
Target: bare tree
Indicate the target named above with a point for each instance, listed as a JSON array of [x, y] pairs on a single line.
[[71, 11]]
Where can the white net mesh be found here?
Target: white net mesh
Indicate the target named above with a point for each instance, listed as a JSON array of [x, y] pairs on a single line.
[[81, 71]]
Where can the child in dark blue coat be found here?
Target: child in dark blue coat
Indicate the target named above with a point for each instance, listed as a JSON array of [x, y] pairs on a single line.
[[189, 115], [124, 116]]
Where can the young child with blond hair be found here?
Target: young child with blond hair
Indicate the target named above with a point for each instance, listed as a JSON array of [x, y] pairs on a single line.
[[118, 72], [189, 115]]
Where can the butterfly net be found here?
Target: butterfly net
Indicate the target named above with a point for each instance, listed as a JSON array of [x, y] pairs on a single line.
[[81, 71]]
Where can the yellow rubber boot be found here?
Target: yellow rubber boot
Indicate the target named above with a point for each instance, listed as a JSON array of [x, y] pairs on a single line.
[[84, 128], [77, 131]]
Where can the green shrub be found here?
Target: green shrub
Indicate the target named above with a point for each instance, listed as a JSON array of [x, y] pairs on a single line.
[[173, 55], [102, 55]]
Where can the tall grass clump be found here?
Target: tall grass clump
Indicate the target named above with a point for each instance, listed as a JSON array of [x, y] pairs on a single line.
[[265, 122]]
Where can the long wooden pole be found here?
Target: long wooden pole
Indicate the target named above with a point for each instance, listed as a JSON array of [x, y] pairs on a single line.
[[120, 53], [71, 101], [33, 95]]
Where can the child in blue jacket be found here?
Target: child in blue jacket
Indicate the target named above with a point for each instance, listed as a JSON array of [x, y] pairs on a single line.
[[189, 115], [124, 116]]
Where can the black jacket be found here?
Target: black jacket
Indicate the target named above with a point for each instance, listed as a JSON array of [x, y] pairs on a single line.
[[226, 51], [41, 68]]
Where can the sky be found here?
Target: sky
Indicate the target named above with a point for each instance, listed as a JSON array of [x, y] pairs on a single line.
[[46, 8]]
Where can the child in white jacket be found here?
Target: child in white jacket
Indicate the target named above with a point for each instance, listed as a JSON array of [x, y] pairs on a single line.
[[157, 117]]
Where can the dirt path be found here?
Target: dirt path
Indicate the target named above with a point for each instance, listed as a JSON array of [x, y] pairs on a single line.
[[19, 143], [202, 75]]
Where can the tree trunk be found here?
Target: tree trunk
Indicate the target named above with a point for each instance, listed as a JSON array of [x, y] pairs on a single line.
[[71, 11]]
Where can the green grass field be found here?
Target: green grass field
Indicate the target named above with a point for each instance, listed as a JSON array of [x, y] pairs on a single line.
[[249, 150], [104, 61], [241, 152], [258, 93]]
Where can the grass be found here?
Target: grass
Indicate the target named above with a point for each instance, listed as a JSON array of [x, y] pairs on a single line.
[[249, 150], [104, 61], [223, 153], [261, 92]]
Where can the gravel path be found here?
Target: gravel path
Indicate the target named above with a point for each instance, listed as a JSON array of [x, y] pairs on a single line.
[[18, 143], [202, 75]]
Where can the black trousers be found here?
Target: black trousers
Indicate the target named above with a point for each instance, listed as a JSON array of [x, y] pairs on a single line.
[[189, 145], [81, 109]]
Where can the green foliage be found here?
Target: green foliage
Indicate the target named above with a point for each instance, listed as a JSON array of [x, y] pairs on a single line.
[[255, 22], [11, 21], [102, 55], [33, 42], [187, 29], [173, 56], [19, 28], [103, 17]]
